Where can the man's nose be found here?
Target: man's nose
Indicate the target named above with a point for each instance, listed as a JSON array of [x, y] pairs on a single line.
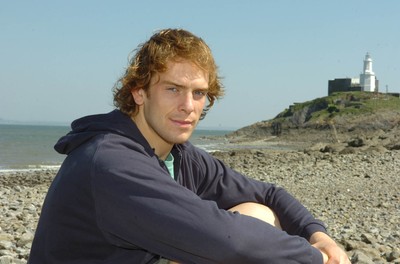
[[187, 103]]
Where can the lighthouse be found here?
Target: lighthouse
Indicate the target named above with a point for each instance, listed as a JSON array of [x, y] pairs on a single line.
[[367, 81], [367, 78]]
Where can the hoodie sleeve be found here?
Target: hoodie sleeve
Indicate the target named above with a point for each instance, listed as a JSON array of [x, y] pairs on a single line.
[[138, 204], [229, 188]]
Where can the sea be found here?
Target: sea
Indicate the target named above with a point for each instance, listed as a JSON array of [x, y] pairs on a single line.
[[30, 147]]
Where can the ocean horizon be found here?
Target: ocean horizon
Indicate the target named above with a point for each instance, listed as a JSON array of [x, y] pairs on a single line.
[[30, 147]]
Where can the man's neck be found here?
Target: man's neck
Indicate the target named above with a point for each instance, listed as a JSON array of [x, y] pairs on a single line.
[[161, 148], [163, 154]]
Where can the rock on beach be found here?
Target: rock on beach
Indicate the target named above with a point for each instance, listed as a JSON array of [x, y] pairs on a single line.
[[356, 194], [21, 197]]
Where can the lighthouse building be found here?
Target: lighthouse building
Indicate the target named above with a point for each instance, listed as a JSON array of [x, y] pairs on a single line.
[[367, 81]]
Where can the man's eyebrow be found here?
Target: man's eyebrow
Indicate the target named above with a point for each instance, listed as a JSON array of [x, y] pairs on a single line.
[[181, 85], [173, 83]]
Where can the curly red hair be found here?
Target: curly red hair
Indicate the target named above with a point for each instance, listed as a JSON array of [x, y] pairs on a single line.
[[152, 56]]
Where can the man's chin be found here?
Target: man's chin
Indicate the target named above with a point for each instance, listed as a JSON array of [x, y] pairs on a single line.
[[181, 141], [182, 138]]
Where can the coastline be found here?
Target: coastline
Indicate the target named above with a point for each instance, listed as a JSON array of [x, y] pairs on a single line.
[[31, 169], [355, 194]]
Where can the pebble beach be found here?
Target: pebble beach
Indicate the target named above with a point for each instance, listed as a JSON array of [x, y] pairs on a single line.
[[356, 194]]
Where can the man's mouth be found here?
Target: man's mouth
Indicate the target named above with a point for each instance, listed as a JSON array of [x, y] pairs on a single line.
[[183, 123]]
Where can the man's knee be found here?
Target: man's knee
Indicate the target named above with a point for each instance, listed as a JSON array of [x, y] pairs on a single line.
[[259, 211]]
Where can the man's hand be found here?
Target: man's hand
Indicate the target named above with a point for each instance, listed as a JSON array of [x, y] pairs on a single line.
[[331, 252]]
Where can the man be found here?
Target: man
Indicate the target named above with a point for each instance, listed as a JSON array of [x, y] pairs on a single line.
[[133, 189]]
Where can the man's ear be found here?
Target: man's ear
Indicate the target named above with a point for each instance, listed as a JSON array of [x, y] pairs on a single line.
[[138, 95]]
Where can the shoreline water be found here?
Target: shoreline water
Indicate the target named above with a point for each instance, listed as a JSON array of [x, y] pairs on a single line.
[[41, 168], [26, 147]]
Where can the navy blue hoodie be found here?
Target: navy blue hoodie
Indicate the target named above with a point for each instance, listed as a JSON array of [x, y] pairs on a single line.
[[113, 201]]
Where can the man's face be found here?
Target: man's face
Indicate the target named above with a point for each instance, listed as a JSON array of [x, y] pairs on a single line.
[[170, 110]]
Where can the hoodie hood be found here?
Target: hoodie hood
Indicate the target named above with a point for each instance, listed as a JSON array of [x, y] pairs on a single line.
[[88, 127]]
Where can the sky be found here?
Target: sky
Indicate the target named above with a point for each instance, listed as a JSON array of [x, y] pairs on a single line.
[[59, 60]]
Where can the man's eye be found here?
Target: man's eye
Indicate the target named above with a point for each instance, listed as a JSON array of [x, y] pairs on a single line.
[[173, 89], [200, 93]]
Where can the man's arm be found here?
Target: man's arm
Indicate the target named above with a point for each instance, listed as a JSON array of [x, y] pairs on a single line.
[[329, 249], [316, 236], [230, 188]]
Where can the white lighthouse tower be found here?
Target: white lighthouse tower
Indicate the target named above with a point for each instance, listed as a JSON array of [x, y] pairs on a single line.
[[367, 78]]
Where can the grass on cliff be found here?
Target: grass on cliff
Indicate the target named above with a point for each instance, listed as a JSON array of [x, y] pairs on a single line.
[[342, 103]]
